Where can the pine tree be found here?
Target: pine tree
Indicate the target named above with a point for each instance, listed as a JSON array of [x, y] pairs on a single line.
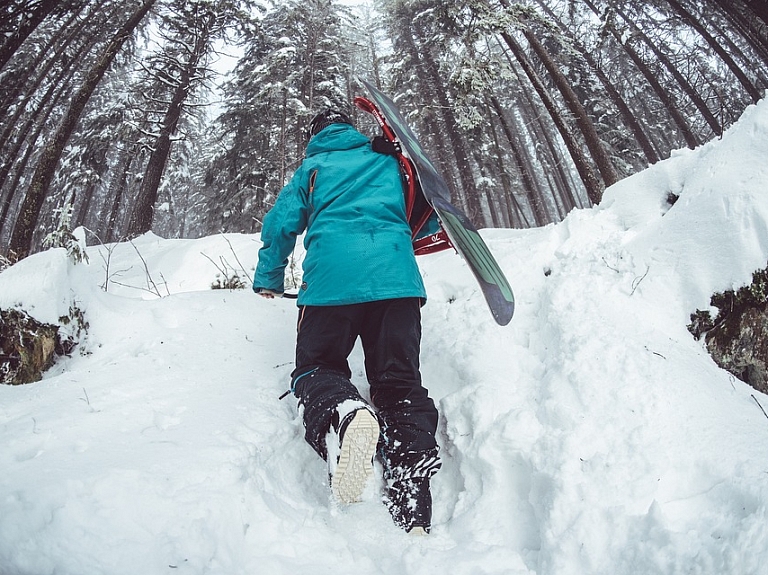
[[21, 237], [294, 65], [177, 70]]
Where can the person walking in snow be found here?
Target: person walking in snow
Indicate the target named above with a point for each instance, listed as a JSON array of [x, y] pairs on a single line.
[[360, 280]]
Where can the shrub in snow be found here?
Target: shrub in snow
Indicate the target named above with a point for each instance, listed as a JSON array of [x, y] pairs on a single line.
[[229, 281], [63, 237]]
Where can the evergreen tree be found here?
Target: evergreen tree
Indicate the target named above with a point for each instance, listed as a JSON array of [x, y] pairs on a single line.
[[294, 65], [528, 107], [21, 237]]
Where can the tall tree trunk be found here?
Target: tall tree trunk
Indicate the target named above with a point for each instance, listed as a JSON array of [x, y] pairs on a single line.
[[428, 117], [530, 187], [588, 176], [591, 137], [40, 65], [728, 30], [13, 189], [760, 9], [694, 23], [25, 27], [511, 215], [458, 146], [116, 192], [24, 94], [629, 117], [663, 94], [553, 162], [695, 97], [58, 84], [21, 238], [142, 213], [560, 179], [747, 23]]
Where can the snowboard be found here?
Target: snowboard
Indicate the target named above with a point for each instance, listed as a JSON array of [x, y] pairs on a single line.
[[463, 235]]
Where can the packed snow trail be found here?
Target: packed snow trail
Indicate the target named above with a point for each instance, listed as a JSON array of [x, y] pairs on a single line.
[[593, 435]]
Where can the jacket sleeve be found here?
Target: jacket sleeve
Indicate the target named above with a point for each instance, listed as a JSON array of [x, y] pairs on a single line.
[[282, 224]]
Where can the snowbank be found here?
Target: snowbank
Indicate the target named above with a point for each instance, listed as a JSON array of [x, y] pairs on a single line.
[[591, 435]]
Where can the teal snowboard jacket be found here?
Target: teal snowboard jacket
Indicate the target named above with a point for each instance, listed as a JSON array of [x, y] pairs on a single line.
[[349, 200]]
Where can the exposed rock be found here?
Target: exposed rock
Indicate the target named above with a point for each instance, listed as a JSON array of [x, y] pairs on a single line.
[[737, 338], [27, 347], [740, 345]]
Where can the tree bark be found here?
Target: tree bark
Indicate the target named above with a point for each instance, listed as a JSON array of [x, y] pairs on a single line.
[[58, 84], [746, 24], [698, 101], [591, 180], [663, 94], [12, 189], [117, 191], [14, 83], [24, 29], [760, 9], [21, 238], [427, 117], [591, 137], [691, 20], [530, 187], [468, 188], [142, 213], [618, 100]]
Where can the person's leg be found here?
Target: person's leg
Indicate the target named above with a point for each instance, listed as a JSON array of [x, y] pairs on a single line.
[[338, 423], [325, 338], [391, 340]]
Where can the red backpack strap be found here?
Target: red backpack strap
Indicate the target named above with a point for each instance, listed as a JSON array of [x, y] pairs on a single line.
[[417, 209], [431, 244]]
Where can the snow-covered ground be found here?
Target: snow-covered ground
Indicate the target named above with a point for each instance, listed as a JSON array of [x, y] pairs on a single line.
[[593, 435]]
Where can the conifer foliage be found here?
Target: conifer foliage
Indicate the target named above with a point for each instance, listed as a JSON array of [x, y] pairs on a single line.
[[294, 64], [187, 117]]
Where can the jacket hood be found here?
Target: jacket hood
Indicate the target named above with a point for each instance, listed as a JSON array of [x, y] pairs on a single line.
[[335, 137]]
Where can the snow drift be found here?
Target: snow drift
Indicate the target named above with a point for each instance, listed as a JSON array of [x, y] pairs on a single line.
[[591, 435]]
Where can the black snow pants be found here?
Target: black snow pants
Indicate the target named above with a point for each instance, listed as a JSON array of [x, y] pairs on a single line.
[[390, 332]]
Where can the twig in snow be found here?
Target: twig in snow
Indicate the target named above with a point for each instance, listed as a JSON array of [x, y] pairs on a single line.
[[760, 406], [151, 285], [206, 256], [109, 275], [609, 266], [165, 284], [638, 280], [655, 352], [153, 292], [237, 259], [87, 400], [106, 259], [226, 280]]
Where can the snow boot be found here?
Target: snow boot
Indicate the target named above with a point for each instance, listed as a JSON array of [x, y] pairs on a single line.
[[407, 495], [410, 503], [354, 437]]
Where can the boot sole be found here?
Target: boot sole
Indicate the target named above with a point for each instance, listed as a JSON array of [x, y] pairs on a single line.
[[355, 466]]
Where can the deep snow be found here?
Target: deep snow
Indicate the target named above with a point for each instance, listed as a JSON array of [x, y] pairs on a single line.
[[593, 435]]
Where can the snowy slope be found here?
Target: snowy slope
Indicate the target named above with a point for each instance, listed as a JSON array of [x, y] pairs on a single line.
[[591, 435]]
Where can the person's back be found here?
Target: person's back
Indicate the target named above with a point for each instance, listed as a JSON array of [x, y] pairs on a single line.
[[358, 243], [358, 240]]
